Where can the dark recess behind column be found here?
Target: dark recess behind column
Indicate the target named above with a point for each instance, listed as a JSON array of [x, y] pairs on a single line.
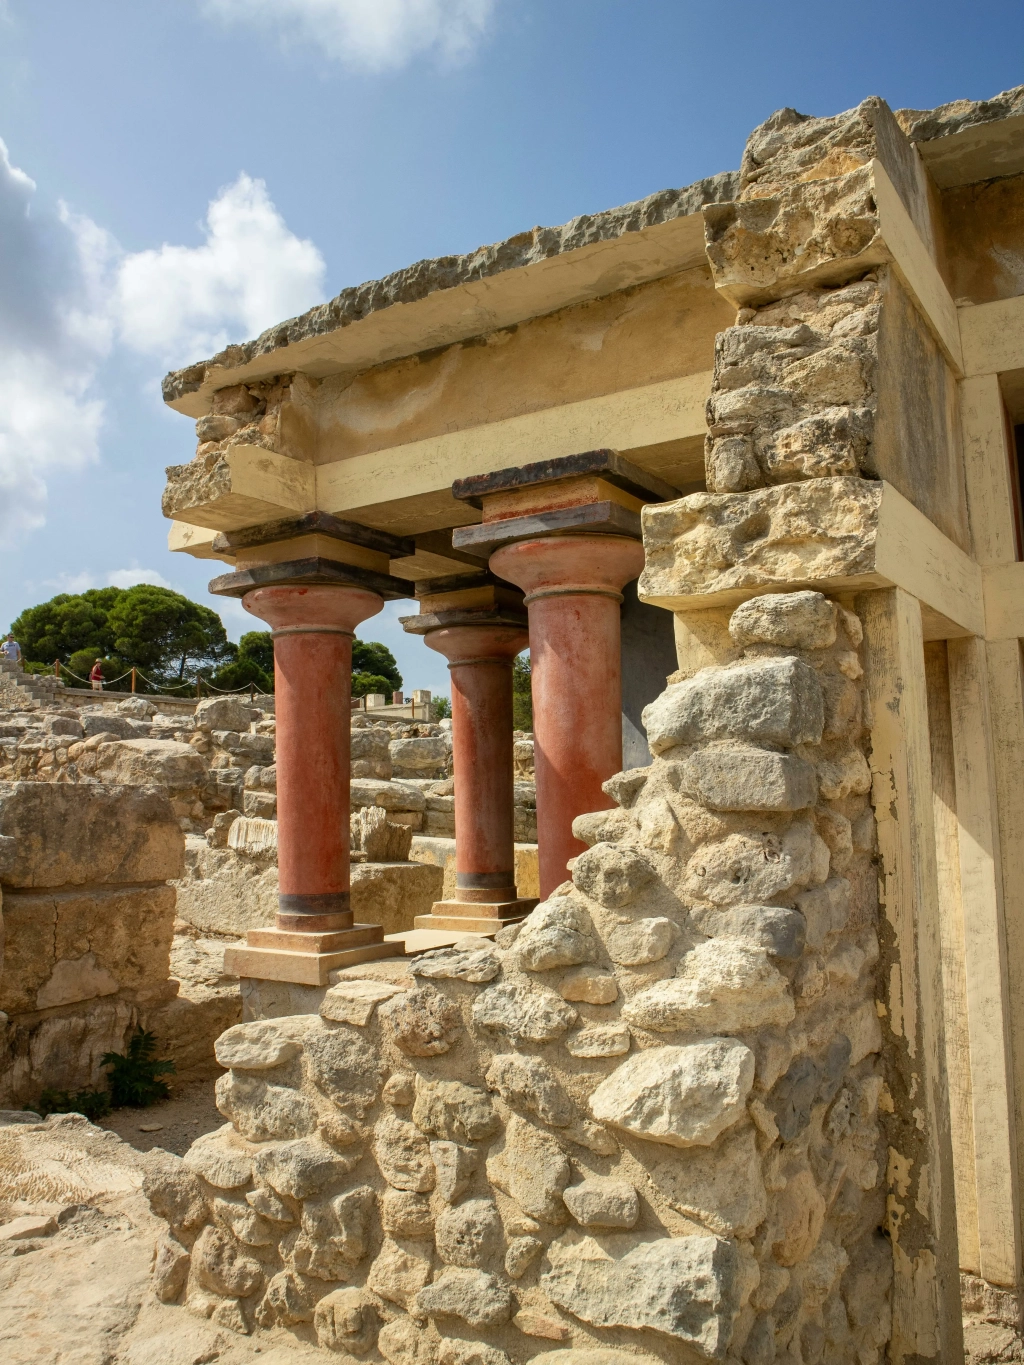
[[648, 656]]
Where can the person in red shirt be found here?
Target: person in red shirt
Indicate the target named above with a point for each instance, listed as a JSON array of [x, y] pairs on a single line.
[[96, 676]]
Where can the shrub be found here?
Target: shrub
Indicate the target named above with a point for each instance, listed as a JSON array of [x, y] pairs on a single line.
[[135, 1074], [93, 1104]]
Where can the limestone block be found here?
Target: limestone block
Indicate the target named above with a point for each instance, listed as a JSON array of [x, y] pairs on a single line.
[[798, 1220], [234, 1215], [416, 757], [370, 754], [748, 779], [529, 1083], [453, 1111], [846, 775], [780, 931], [333, 1235], [592, 985], [343, 1066], [266, 1203], [689, 1288], [344, 1321], [103, 723], [262, 1112], [353, 1002], [612, 875], [825, 910], [66, 834], [721, 1187], [69, 946], [796, 620], [681, 1096], [260, 805], [455, 1166], [714, 545], [163, 763], [753, 867], [601, 1040], [175, 1195], [470, 1234], [422, 1022], [222, 1268], [223, 892], [531, 1168], [472, 1295], [224, 713], [170, 1268], [396, 796], [521, 1254], [471, 959], [303, 1168], [603, 826], [603, 1203], [634, 943], [403, 1154], [771, 701], [257, 1046], [392, 894], [398, 1274], [557, 933], [527, 1014], [721, 986], [222, 1159], [406, 1214]]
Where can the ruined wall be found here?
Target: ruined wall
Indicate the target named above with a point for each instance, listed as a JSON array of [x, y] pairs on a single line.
[[646, 1119]]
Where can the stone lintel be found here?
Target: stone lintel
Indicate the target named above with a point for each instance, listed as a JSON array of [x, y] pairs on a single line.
[[612, 467], [296, 572], [597, 518], [310, 523], [836, 535]]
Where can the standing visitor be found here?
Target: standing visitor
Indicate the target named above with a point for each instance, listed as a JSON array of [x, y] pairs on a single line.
[[10, 649], [96, 676]]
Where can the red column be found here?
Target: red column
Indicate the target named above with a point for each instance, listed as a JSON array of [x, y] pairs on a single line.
[[573, 591], [313, 628], [481, 668]]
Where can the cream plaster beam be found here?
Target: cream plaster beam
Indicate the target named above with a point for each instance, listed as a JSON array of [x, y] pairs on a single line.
[[196, 541], [987, 469], [241, 486], [1004, 601], [993, 336], [631, 422]]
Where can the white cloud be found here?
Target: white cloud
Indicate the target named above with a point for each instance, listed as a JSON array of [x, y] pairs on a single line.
[[70, 295], [114, 578], [378, 35]]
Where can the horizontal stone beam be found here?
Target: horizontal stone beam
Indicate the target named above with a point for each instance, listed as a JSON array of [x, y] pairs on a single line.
[[993, 336], [196, 541], [836, 535], [240, 486]]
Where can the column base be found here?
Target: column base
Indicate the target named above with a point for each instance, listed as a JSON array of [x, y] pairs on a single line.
[[468, 917], [306, 959]]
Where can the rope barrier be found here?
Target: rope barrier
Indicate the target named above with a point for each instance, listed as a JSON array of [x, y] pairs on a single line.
[[199, 683]]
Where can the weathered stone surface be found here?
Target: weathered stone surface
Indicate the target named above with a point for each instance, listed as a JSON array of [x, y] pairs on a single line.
[[453, 1111], [391, 795], [398, 1274], [527, 1014], [222, 1268], [353, 1002], [370, 755], [423, 1023], [256, 1046], [721, 1187], [558, 933], [601, 1040], [237, 1217], [717, 543], [224, 713], [531, 1168], [343, 1066], [521, 1254], [473, 1295], [344, 1321], [470, 1234], [612, 875], [682, 1096], [403, 1154], [163, 763], [845, 775], [392, 894], [170, 1268], [747, 778], [798, 1219], [455, 1166], [303, 1168], [591, 985], [640, 941], [175, 1195], [689, 1288], [452, 1352], [260, 1111], [797, 620], [334, 1234], [603, 1203], [778, 930], [266, 1203], [602, 826], [473, 961], [757, 866], [60, 834], [221, 1159], [404, 1213], [529, 1083], [769, 701], [721, 986], [414, 757], [825, 910]]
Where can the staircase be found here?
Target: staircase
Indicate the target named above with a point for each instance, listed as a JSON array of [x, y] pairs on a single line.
[[36, 688]]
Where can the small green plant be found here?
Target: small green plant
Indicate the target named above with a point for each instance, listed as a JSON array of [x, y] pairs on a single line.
[[442, 708], [135, 1074], [94, 1104]]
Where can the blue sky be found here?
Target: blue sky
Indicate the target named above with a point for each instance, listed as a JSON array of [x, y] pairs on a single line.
[[178, 175]]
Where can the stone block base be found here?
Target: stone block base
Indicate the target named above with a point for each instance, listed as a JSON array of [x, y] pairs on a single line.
[[393, 894], [307, 959], [469, 917]]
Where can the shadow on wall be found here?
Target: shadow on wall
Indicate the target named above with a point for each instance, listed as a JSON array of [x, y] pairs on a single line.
[[648, 657]]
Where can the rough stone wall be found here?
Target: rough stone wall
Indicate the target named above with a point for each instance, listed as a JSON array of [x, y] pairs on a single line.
[[644, 1120]]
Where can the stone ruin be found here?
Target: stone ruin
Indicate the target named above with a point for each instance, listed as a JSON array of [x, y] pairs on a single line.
[[731, 1067]]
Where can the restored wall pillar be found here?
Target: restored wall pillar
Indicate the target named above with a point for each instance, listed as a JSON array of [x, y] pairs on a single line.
[[573, 592]]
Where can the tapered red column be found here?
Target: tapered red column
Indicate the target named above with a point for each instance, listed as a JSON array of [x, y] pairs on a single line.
[[481, 668], [573, 591]]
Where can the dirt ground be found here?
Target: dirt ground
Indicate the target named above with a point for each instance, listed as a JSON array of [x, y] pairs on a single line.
[[173, 1124]]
